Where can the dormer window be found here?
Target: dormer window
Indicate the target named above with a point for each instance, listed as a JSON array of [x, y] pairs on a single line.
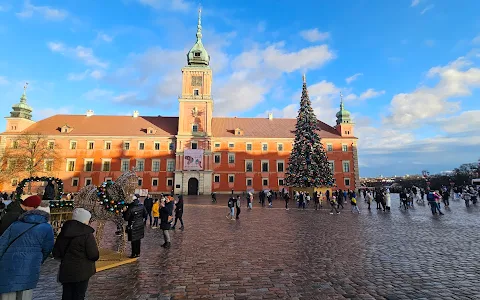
[[238, 131], [151, 130], [197, 54], [66, 129], [195, 128]]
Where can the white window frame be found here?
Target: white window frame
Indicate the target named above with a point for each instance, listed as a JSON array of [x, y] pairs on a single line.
[[231, 155], [263, 181], [229, 145], [78, 181], [45, 161], [194, 143], [137, 160], [69, 160], [71, 145], [140, 180], [216, 176], [332, 162], [195, 126], [88, 145], [280, 145], [85, 164], [343, 166], [231, 176], [125, 143], [345, 181], [329, 145], [246, 162], [283, 163], [282, 179], [51, 142], [87, 179], [219, 155], [343, 147], [248, 144], [261, 166], [155, 146], [109, 160], [121, 164], [141, 143], [153, 164], [217, 145], [105, 145], [169, 178], [155, 178], [263, 147], [246, 181], [169, 162]]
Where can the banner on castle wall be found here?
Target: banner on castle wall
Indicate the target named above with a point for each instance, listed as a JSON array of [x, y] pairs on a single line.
[[193, 159]]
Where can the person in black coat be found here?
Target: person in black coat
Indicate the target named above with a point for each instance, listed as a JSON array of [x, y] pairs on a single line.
[[148, 203], [134, 215], [77, 248], [179, 212], [166, 211], [49, 193]]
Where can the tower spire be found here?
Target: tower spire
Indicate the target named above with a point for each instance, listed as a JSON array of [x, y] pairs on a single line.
[[23, 99], [199, 25], [341, 101], [304, 78]]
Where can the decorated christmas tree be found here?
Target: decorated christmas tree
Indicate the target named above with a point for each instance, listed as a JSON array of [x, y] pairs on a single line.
[[308, 164]]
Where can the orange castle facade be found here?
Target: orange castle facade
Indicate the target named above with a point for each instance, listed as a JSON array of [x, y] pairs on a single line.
[[194, 153]]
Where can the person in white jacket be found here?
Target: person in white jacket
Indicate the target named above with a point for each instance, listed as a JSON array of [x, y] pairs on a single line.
[[388, 199]]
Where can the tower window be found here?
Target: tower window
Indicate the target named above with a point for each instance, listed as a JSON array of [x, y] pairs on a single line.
[[197, 54], [195, 92], [195, 128]]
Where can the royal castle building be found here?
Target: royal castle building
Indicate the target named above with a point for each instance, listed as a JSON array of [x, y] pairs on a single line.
[[194, 153]]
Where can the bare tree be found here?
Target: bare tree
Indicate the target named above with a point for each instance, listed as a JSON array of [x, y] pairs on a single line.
[[30, 155]]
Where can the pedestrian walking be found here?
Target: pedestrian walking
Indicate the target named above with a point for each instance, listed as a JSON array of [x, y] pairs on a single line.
[[77, 248], [231, 208], [24, 246], [148, 203], [286, 197], [155, 213], [179, 212], [353, 202], [166, 218], [333, 204], [135, 215], [238, 204]]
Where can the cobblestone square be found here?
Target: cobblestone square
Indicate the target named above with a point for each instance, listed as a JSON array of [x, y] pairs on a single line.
[[297, 254]]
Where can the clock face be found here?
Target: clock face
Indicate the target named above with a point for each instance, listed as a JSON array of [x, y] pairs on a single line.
[[197, 80]]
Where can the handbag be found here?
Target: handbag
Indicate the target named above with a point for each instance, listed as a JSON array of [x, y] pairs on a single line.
[[13, 241]]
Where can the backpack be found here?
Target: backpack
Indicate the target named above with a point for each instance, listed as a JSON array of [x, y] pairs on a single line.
[[230, 203]]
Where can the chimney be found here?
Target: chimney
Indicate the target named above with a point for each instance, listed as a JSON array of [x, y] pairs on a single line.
[[89, 113], [270, 116], [136, 113]]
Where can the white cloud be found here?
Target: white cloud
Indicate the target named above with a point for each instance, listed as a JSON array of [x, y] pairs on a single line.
[[46, 12], [415, 3], [95, 74], [175, 5], [314, 35], [467, 121], [4, 80], [431, 6], [97, 94], [368, 94], [82, 53], [125, 98], [429, 43], [104, 37], [456, 79], [48, 112], [353, 78]]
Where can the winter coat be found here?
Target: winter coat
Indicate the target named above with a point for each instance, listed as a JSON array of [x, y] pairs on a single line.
[[156, 210], [20, 263], [135, 215], [49, 193], [166, 212], [77, 248], [148, 203], [179, 209], [13, 211]]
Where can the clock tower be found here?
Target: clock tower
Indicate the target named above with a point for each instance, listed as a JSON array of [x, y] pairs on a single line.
[[195, 120]]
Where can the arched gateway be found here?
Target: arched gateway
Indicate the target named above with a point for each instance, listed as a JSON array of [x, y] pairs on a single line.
[[193, 186]]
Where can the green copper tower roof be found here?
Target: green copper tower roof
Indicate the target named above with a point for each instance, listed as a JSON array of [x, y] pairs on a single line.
[[198, 56], [343, 115], [22, 109]]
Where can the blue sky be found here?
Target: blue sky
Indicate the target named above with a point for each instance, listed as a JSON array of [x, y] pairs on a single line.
[[409, 70]]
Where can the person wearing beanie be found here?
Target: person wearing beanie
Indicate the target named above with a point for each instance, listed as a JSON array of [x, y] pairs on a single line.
[[24, 246], [77, 248], [16, 209]]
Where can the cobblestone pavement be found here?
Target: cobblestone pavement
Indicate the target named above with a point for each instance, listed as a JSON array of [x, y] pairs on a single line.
[[296, 254]]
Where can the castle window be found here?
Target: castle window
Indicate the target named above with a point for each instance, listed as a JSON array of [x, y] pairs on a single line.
[[195, 92], [194, 128], [344, 148], [90, 145], [197, 54], [346, 181], [329, 147], [194, 145]]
